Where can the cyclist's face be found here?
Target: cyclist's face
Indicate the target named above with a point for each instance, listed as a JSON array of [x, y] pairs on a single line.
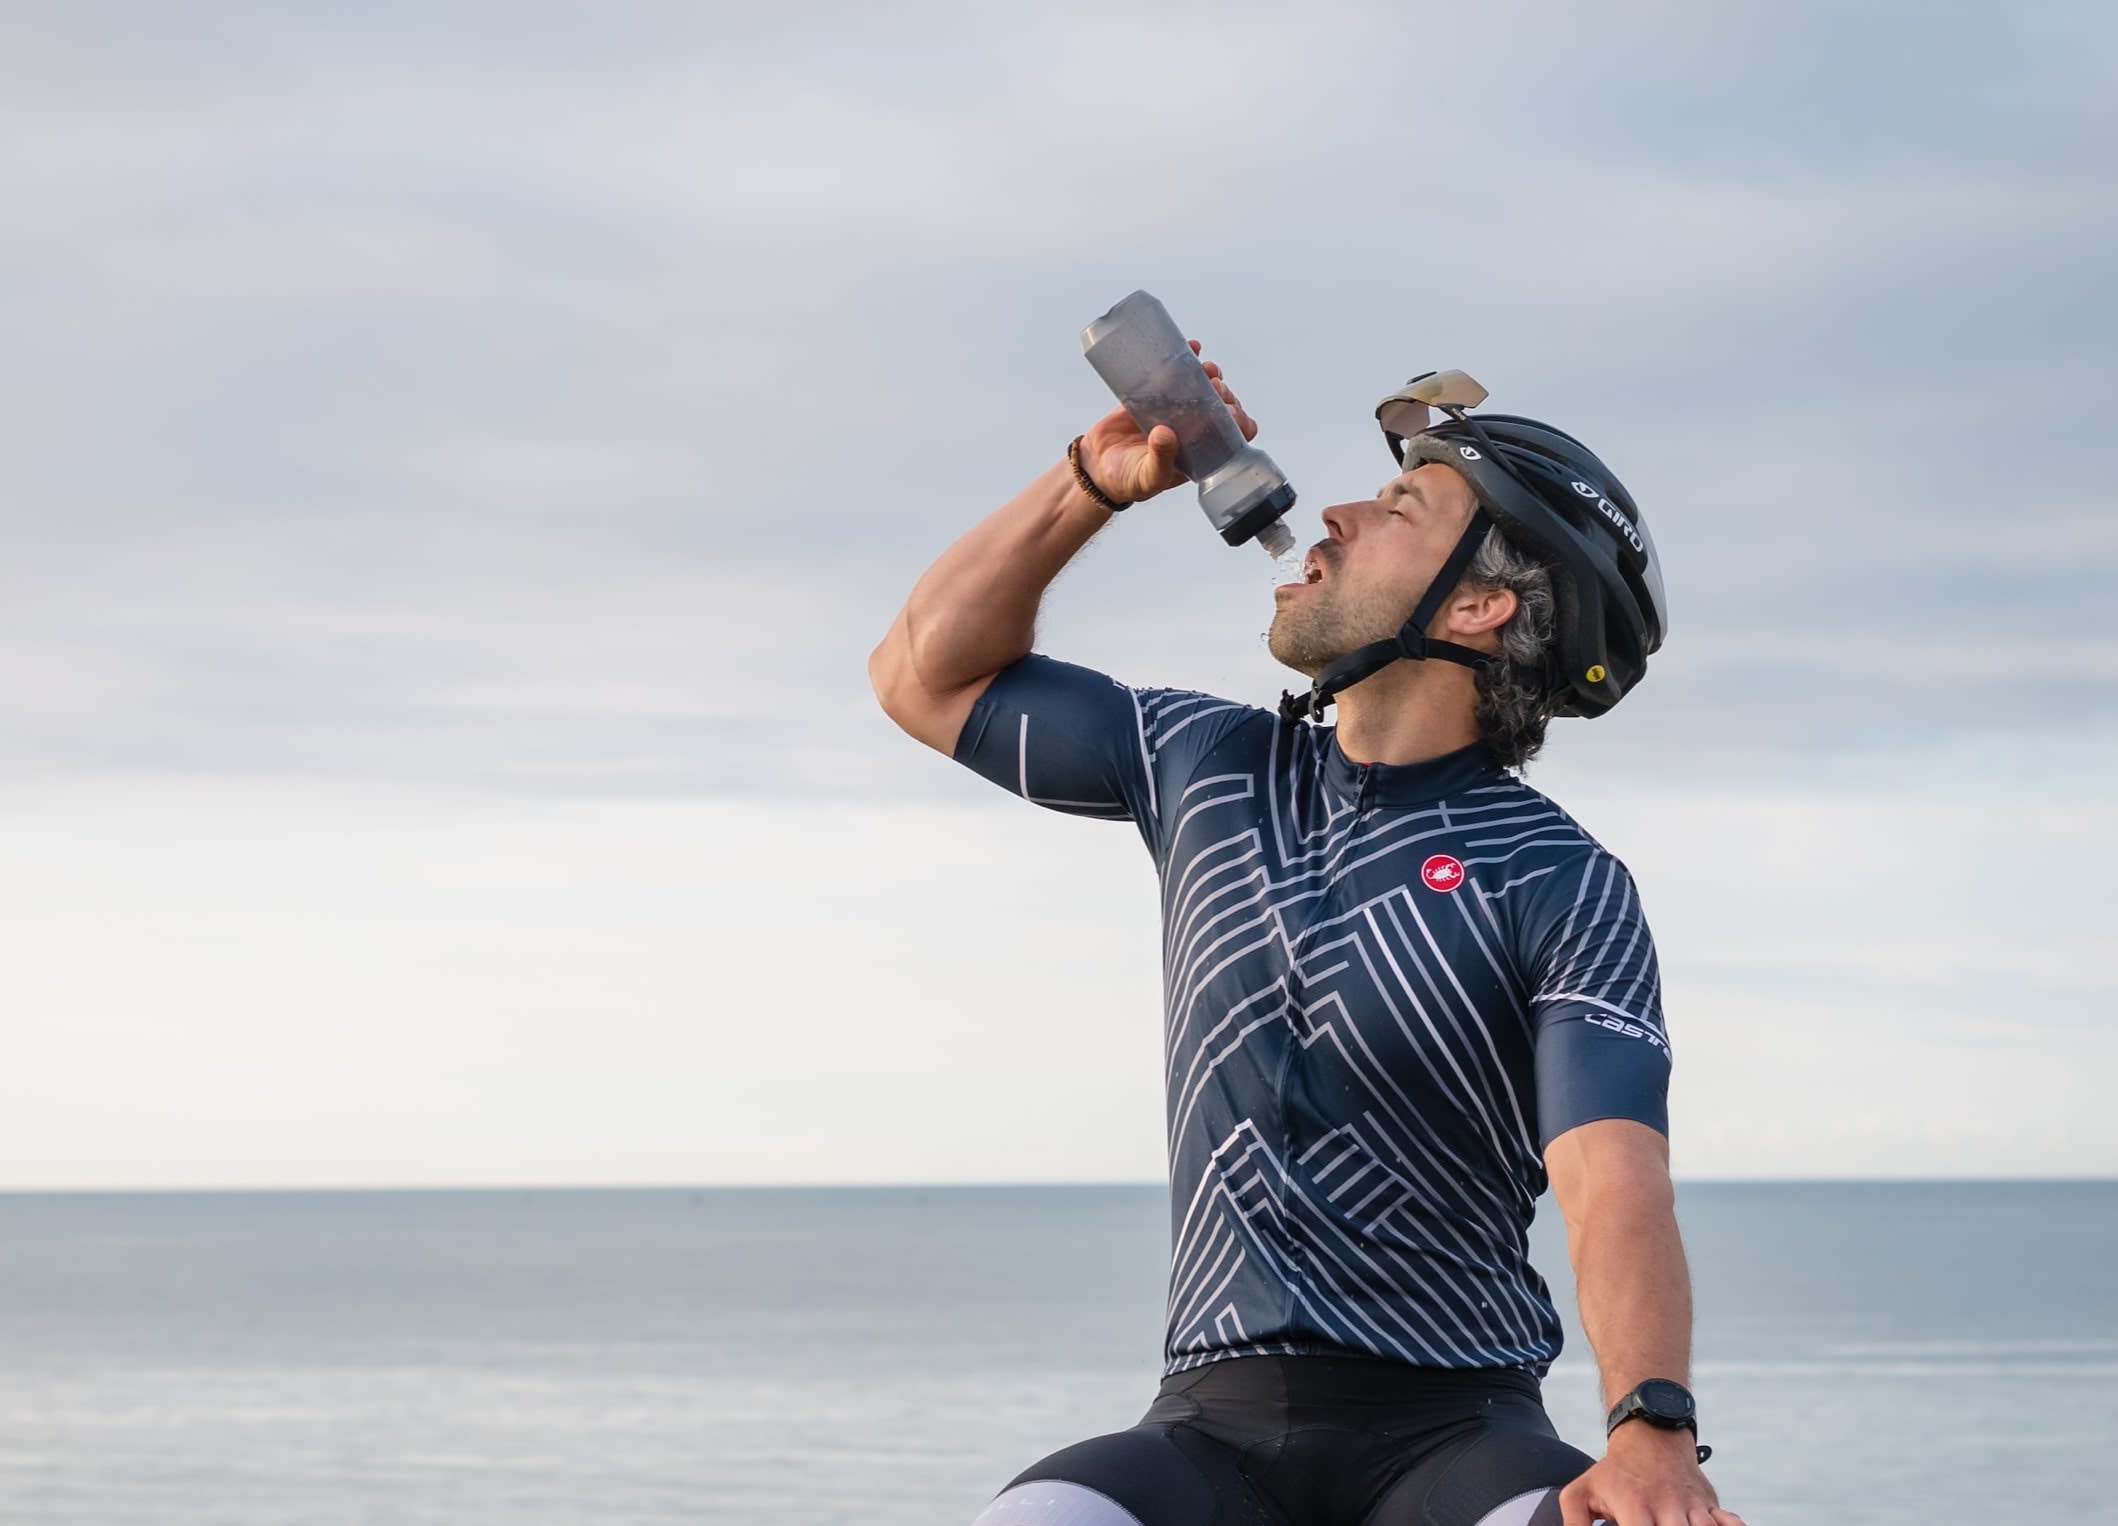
[[1364, 579]]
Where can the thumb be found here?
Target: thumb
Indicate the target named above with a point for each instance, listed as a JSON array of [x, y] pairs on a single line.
[[1160, 472]]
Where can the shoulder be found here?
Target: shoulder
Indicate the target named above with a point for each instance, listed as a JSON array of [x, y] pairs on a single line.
[[1533, 858], [1509, 825], [1195, 723]]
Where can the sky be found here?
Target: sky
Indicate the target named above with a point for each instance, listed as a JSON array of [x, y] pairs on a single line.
[[455, 460]]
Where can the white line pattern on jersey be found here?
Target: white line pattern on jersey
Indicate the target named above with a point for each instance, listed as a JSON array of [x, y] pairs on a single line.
[[1331, 1198]]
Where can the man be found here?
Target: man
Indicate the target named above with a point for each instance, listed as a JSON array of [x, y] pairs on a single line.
[[1404, 990]]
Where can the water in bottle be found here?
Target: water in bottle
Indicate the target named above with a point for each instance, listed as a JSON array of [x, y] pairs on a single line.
[[1146, 362]]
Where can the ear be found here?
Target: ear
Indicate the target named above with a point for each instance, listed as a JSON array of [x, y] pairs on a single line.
[[1476, 612]]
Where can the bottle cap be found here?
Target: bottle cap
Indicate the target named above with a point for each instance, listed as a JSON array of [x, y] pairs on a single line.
[[1277, 539]]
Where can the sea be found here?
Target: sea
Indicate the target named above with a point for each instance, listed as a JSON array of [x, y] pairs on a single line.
[[1886, 1353]]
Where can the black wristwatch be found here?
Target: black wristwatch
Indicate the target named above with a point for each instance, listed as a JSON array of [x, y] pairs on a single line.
[[1661, 1403]]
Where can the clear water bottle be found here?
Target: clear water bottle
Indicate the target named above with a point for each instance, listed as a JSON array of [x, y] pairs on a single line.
[[1145, 360]]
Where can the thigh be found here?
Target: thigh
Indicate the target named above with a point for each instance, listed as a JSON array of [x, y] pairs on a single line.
[[1508, 1471], [1151, 1475]]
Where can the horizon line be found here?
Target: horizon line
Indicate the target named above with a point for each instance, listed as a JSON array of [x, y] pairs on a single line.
[[1090, 1184]]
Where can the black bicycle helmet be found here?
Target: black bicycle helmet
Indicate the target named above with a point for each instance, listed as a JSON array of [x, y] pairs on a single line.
[[1550, 495]]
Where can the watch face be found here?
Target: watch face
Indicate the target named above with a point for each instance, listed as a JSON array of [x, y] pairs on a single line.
[[1663, 1400]]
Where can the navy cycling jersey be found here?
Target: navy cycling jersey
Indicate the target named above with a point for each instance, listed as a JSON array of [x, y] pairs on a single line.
[[1387, 989]]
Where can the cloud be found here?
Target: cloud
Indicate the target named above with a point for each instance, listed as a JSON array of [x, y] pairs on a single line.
[[417, 368], [517, 410]]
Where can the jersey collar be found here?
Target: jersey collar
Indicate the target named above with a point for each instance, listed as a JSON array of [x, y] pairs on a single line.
[[1402, 784]]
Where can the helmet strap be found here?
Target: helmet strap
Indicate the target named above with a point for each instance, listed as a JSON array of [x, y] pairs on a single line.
[[1411, 643]]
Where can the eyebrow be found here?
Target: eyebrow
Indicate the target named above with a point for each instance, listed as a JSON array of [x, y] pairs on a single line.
[[1404, 484]]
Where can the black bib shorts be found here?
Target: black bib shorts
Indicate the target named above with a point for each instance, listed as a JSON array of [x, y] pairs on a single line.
[[1312, 1441]]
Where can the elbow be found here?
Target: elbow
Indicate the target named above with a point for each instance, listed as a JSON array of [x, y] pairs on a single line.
[[888, 672], [1619, 1217], [1632, 1195], [925, 711], [1637, 1209], [879, 667], [905, 697]]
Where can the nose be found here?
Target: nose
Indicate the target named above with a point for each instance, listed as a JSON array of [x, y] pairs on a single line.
[[1342, 520]]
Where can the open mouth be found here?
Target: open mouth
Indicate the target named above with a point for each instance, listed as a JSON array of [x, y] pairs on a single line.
[[1313, 571], [1312, 574]]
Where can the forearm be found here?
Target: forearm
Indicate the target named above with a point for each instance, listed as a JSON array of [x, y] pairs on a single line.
[[975, 610], [1633, 1284]]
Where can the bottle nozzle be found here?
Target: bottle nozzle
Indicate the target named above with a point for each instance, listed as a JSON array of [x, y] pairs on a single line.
[[1277, 539]]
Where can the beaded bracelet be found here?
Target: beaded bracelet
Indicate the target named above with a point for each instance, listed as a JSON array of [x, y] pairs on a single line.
[[1088, 486]]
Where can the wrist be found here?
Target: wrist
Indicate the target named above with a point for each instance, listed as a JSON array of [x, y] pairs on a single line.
[[1638, 1434], [1647, 1446], [1652, 1446], [1080, 463]]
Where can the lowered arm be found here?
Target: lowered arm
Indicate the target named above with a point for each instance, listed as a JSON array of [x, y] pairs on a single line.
[[1611, 1178]]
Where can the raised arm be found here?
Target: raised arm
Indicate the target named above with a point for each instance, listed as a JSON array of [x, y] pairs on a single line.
[[975, 610]]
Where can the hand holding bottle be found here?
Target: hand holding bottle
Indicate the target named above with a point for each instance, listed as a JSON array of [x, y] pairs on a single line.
[[1133, 467]]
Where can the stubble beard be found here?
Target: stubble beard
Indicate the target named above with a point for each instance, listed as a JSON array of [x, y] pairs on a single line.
[[1316, 630]]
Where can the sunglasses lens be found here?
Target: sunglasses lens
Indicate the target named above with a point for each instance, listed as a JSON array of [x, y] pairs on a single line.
[[1449, 389], [1403, 417], [1409, 411]]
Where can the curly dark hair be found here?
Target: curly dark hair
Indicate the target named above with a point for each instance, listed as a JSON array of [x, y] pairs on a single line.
[[1515, 701]]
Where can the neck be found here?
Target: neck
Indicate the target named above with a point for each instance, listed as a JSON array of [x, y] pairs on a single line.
[[1408, 713]]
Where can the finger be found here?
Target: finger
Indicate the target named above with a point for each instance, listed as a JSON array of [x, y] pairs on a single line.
[[1194, 345], [1211, 368], [1727, 1518], [1247, 424], [1162, 440], [1574, 1508]]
